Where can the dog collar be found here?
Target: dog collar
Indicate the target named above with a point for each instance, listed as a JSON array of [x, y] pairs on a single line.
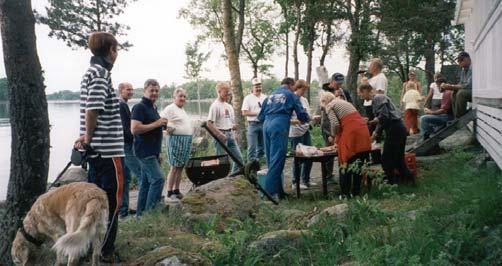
[[31, 239]]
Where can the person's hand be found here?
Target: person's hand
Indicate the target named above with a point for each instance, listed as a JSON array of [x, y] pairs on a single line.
[[445, 86], [366, 119], [78, 144], [223, 137], [373, 137], [162, 122], [427, 111], [234, 127], [331, 140]]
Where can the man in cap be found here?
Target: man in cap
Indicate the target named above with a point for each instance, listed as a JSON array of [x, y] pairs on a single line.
[[336, 84], [251, 107], [462, 92]]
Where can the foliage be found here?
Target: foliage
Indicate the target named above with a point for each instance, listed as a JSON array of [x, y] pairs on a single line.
[[194, 60], [64, 95], [73, 21], [260, 36], [4, 90]]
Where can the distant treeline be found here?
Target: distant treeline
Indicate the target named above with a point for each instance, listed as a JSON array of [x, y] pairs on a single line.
[[206, 88]]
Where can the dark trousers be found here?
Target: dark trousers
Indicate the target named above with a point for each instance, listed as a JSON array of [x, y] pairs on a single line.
[[375, 155], [350, 177], [393, 152], [459, 101], [108, 174], [328, 167]]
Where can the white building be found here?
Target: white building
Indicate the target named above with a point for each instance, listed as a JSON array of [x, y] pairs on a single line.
[[483, 41]]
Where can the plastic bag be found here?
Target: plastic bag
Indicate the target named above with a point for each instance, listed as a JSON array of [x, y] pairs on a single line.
[[308, 151]]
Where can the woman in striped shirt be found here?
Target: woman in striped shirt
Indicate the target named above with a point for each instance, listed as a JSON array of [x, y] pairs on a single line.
[[352, 139]]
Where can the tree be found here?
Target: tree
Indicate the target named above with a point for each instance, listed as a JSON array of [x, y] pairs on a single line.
[[223, 21], [4, 89], [298, 6], [260, 36], [288, 21], [28, 118], [193, 65], [74, 21]]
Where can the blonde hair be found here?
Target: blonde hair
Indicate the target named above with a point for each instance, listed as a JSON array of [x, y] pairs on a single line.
[[222, 85], [178, 91], [301, 84], [326, 98], [378, 63]]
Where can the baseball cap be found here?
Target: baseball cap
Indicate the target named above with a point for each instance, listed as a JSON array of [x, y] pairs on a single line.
[[338, 77], [256, 81], [463, 55]]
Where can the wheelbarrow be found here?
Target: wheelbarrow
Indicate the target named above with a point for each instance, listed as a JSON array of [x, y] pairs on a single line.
[[249, 170]]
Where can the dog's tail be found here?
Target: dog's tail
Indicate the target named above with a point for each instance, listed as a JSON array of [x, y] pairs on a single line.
[[92, 225]]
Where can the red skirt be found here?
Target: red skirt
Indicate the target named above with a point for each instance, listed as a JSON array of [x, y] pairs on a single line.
[[353, 137], [411, 120]]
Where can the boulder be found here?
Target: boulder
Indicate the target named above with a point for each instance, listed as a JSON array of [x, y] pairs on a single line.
[[412, 215], [73, 174], [337, 212], [273, 242], [461, 138], [293, 213], [230, 197], [168, 256]]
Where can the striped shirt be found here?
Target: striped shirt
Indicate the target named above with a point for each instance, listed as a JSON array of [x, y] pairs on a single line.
[[337, 109], [97, 93]]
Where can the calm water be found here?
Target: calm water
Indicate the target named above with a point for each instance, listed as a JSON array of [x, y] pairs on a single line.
[[64, 122]]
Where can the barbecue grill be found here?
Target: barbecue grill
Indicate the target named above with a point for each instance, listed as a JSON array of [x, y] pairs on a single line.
[[200, 174]]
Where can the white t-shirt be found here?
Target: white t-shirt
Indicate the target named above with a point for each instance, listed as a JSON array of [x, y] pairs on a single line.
[[177, 118], [436, 94], [300, 129], [378, 83], [253, 103], [222, 115]]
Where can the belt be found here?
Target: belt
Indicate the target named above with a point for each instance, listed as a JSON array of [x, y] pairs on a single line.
[[225, 130], [254, 122]]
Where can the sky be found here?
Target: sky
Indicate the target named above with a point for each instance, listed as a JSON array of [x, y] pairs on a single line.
[[159, 38]]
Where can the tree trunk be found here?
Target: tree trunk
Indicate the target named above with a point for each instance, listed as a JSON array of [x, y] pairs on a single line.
[[198, 99], [28, 118], [297, 38], [354, 61], [430, 62], [255, 70], [234, 68], [309, 65], [286, 64], [326, 47]]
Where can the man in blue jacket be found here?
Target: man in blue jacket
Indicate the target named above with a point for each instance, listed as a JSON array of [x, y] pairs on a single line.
[[276, 115]]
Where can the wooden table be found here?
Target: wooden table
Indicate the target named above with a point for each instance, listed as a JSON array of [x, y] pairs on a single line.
[[323, 159]]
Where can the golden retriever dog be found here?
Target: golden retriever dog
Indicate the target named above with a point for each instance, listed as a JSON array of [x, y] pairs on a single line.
[[74, 216]]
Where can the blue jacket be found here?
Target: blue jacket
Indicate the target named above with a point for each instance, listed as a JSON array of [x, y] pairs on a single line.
[[282, 102]]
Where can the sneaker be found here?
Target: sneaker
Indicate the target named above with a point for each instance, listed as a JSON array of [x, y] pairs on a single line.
[[310, 184], [331, 181], [172, 199], [302, 186]]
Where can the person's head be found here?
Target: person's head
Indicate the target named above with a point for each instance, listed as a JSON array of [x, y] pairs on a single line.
[[103, 44], [289, 83], [326, 98], [336, 81], [365, 92], [439, 78], [179, 97], [376, 66], [223, 90], [126, 90], [412, 75], [301, 87], [151, 89], [464, 59], [256, 86]]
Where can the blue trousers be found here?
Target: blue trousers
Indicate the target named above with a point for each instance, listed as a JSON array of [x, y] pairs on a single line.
[[232, 146], [131, 164], [305, 168], [430, 123], [151, 184], [255, 141], [275, 135]]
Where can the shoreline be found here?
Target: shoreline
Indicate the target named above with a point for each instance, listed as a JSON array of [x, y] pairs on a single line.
[[133, 100]]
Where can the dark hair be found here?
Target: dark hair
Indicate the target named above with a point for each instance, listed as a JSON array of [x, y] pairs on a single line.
[[365, 87], [151, 82], [463, 55], [288, 81], [100, 43]]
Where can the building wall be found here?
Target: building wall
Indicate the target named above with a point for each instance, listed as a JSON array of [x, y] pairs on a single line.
[[483, 26]]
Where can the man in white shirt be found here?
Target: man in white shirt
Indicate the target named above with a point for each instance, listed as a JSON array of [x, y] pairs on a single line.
[[251, 106], [221, 121], [378, 82]]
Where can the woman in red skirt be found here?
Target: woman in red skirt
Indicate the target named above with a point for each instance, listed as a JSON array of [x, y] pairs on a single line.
[[352, 139]]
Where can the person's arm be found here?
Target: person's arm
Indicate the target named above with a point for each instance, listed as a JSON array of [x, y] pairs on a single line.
[[403, 90], [334, 122], [301, 114], [419, 87], [245, 110], [96, 96], [217, 132], [428, 98], [91, 120], [382, 114], [137, 127], [263, 111]]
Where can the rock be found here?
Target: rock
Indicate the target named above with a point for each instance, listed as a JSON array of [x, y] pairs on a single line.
[[273, 242], [461, 138], [479, 160], [230, 197], [168, 256], [293, 213], [337, 212], [73, 174]]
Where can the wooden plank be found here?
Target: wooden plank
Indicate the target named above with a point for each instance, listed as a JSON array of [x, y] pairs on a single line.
[[485, 140], [426, 146], [491, 102], [496, 135], [490, 121], [494, 112]]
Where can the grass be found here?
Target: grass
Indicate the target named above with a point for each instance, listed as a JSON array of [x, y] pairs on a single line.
[[457, 221]]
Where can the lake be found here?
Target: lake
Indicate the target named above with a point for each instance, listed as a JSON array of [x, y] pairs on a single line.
[[64, 121]]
